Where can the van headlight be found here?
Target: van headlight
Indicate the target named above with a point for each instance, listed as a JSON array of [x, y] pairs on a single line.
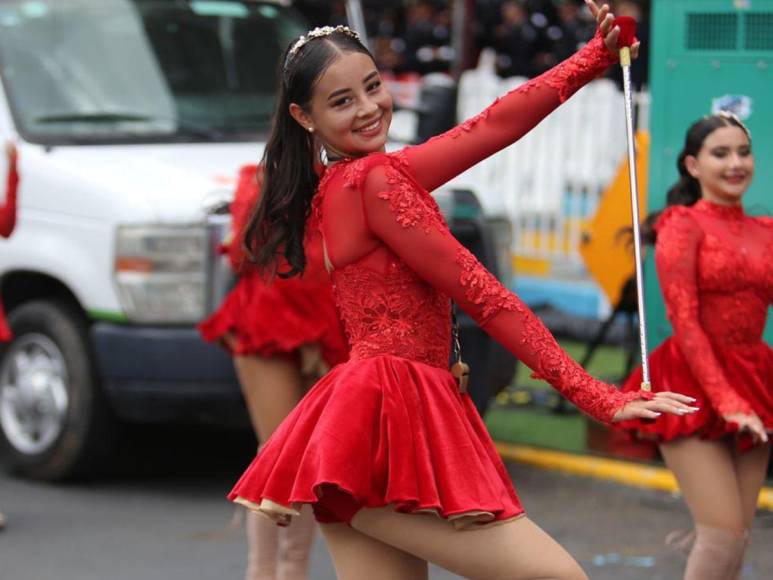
[[161, 272]]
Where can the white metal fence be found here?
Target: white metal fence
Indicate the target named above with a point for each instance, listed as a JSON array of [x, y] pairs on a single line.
[[550, 181]]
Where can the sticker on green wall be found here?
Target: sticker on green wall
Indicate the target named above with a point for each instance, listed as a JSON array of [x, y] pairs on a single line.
[[740, 105]]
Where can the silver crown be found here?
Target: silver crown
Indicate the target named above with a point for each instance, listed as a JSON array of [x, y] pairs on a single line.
[[320, 32]]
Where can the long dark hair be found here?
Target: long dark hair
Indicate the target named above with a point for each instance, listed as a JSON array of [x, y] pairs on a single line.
[[687, 190], [277, 225]]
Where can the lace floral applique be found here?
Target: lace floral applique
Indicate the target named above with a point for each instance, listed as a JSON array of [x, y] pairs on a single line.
[[396, 314], [550, 362], [412, 206], [483, 289], [569, 76]]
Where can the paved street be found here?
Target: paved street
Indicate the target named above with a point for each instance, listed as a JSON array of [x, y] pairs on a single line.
[[162, 516]]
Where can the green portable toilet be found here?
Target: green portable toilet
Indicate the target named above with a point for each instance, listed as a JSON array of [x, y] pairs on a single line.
[[708, 55]]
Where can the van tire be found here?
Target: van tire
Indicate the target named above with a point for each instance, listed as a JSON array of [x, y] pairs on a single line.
[[86, 429]]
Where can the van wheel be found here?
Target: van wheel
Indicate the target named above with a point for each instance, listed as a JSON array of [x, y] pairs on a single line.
[[52, 412]]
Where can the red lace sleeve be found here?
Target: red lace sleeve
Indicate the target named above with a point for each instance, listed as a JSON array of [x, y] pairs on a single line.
[[507, 119], [676, 260], [408, 221], [8, 210]]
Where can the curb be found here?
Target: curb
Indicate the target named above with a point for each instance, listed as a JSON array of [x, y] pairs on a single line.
[[625, 472]]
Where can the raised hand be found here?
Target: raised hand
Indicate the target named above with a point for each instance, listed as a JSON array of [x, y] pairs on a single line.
[[750, 423], [605, 21], [662, 402]]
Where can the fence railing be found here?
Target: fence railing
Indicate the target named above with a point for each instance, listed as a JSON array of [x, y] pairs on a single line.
[[551, 181]]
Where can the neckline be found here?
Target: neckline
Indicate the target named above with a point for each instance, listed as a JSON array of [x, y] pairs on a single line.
[[722, 211]]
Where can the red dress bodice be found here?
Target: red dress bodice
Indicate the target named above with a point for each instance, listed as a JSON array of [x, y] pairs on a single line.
[[714, 264]]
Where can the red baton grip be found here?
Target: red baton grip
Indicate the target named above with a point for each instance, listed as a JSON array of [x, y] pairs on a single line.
[[627, 26]]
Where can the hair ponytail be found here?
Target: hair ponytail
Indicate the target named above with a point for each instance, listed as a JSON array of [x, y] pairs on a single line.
[[277, 225]]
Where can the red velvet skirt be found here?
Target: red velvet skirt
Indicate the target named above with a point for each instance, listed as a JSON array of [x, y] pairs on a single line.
[[382, 431], [749, 370], [276, 319], [5, 331]]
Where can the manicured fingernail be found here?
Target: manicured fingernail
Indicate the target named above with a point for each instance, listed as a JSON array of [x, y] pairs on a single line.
[[657, 414], [695, 409], [692, 399]]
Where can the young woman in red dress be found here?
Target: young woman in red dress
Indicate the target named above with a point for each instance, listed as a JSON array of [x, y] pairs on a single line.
[[7, 225], [391, 455], [283, 335], [715, 266]]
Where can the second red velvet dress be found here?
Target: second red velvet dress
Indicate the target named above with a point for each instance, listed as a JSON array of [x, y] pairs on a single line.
[[715, 268], [390, 427], [277, 318], [8, 223]]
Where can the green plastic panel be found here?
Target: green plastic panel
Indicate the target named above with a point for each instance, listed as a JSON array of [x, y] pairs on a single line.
[[706, 52]]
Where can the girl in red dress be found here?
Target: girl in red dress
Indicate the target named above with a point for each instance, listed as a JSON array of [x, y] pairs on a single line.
[[387, 448], [715, 268], [281, 335], [7, 225]]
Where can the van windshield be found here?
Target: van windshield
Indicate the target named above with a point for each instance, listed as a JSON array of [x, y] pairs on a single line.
[[85, 71]]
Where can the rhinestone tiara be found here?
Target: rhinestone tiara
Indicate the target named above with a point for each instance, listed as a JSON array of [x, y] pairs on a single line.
[[319, 32]]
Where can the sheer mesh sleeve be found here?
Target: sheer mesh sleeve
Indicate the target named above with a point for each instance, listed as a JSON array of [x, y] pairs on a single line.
[[8, 210], [407, 220], [676, 257], [507, 119]]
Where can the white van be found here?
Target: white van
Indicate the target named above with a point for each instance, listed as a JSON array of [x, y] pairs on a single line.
[[131, 118]]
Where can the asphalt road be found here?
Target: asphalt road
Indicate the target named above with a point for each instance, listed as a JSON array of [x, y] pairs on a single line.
[[161, 515]]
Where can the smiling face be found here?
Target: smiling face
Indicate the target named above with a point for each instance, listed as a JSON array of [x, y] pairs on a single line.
[[350, 109], [724, 165]]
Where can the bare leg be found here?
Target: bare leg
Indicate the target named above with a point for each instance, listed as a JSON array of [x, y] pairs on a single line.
[[295, 543], [262, 546], [706, 473], [514, 550], [751, 468], [271, 388], [357, 556]]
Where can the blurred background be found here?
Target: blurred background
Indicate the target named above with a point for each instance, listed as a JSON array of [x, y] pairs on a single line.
[[131, 119]]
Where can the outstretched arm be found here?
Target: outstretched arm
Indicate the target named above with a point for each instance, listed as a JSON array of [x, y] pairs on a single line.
[[407, 220], [512, 116], [8, 210]]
